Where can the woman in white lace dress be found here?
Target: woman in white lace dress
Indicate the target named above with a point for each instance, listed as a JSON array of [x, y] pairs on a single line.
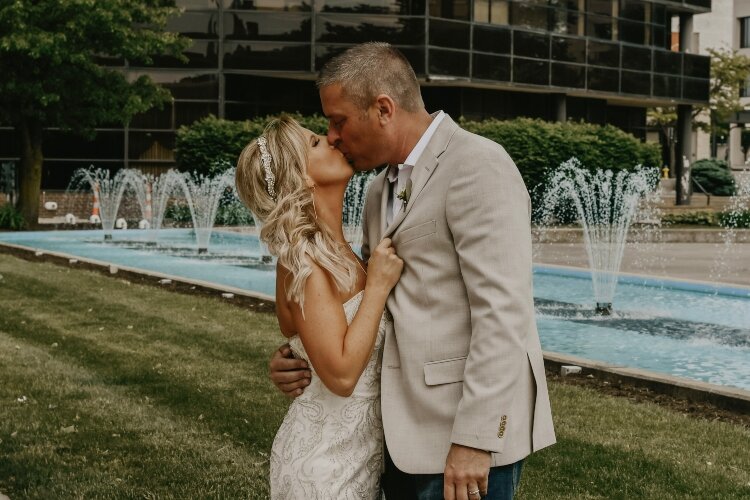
[[331, 307]]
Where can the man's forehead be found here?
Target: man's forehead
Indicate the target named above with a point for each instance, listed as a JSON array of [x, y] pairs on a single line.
[[333, 100]]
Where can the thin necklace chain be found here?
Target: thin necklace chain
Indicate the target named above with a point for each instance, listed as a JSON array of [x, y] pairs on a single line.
[[357, 259]]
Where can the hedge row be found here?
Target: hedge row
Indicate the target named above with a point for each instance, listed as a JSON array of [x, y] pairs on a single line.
[[535, 145]]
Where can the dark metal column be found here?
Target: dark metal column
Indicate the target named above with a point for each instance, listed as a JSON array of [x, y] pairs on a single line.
[[561, 109]]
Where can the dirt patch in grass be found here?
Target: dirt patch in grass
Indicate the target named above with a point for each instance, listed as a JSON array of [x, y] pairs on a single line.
[[697, 409]]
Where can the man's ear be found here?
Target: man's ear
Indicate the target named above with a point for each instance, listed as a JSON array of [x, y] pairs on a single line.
[[385, 108]]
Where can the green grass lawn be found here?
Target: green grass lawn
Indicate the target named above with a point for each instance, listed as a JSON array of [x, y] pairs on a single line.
[[115, 390]]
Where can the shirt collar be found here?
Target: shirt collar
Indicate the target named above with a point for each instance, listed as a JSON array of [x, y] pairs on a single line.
[[419, 148]]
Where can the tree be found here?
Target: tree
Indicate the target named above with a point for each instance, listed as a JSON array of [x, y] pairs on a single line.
[[50, 76], [729, 71]]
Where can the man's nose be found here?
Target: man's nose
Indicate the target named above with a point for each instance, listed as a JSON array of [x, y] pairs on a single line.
[[333, 137]]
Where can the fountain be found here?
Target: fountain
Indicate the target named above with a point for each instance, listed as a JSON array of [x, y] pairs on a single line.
[[687, 329], [605, 206], [107, 190], [731, 219], [354, 203], [203, 196], [152, 193]]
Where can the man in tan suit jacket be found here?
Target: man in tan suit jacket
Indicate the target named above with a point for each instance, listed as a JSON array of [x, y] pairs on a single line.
[[463, 389]]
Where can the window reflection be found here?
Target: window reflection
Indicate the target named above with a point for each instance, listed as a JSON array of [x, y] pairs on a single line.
[[186, 113], [633, 32], [636, 83], [106, 144], [267, 56], [182, 85], [530, 71], [195, 24], [693, 88], [568, 75], [201, 54], [449, 34], [406, 7], [604, 54], [532, 15], [599, 26], [489, 67], [346, 29], [636, 58], [568, 22], [603, 79], [449, 62], [491, 11], [450, 9], [635, 10], [666, 86], [288, 27], [695, 65], [153, 119], [197, 4], [491, 39], [415, 56], [285, 5], [569, 49], [529, 44], [667, 61]]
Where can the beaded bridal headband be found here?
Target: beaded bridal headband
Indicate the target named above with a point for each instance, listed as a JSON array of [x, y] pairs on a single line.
[[265, 160]]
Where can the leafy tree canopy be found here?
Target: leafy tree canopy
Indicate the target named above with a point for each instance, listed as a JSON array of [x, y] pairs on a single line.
[[50, 55]]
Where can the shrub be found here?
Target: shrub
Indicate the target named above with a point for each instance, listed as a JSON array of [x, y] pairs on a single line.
[[735, 219], [211, 143], [537, 147], [10, 218], [715, 177], [698, 218]]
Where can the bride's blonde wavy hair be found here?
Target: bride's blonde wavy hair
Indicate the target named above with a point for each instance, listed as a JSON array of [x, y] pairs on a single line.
[[290, 227]]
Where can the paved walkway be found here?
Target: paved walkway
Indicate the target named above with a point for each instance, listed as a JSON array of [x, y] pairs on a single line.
[[695, 261]]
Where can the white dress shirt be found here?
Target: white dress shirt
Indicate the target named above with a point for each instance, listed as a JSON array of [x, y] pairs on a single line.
[[399, 175]]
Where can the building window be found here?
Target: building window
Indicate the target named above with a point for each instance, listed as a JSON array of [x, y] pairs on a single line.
[[491, 11], [745, 32], [745, 89]]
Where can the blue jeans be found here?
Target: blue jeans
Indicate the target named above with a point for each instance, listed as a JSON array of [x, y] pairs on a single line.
[[398, 485]]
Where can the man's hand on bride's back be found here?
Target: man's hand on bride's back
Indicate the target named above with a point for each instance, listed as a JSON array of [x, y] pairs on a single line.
[[384, 267], [289, 374]]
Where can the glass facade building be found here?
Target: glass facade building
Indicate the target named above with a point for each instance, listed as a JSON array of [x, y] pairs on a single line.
[[604, 61]]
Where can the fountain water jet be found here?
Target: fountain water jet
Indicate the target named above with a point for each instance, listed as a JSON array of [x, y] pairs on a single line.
[[109, 191], [605, 205], [203, 197], [354, 203]]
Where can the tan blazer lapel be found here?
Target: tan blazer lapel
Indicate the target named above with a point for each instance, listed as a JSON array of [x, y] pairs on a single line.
[[423, 170], [385, 193]]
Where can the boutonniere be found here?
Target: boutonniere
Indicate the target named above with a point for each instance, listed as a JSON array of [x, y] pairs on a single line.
[[405, 194]]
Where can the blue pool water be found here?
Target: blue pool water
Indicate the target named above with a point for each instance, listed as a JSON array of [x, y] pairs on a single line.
[[680, 328]]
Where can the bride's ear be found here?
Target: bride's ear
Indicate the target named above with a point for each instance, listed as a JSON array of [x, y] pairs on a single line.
[[309, 182]]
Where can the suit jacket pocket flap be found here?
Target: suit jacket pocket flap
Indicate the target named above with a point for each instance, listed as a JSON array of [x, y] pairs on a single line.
[[444, 371], [414, 232]]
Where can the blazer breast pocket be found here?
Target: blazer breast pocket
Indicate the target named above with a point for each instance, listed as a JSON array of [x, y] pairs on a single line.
[[418, 231], [445, 371]]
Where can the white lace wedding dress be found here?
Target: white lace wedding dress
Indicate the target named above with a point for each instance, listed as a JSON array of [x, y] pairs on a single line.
[[331, 447]]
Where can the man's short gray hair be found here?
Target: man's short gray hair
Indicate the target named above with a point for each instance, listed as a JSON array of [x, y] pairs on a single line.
[[370, 69]]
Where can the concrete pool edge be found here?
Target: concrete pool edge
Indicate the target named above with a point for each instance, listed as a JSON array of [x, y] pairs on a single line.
[[729, 398], [712, 287], [258, 300]]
